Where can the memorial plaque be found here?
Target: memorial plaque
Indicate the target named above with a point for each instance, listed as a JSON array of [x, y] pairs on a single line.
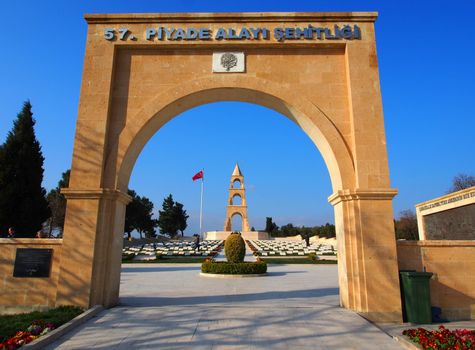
[[32, 262]]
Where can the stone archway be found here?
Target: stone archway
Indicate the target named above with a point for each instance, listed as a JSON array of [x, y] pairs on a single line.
[[237, 216], [236, 200], [329, 86]]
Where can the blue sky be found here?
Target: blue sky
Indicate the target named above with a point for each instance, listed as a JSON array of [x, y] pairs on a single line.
[[425, 52]]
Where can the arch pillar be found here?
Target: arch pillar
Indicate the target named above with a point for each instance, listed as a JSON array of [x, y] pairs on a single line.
[[94, 225], [367, 257]]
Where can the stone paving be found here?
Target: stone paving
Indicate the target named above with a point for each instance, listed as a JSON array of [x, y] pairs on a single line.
[[173, 307]]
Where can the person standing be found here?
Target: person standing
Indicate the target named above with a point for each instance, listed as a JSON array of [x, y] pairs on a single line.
[[41, 234], [11, 232], [198, 242]]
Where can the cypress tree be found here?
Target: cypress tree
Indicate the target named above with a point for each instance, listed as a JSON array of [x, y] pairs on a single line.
[[22, 198]]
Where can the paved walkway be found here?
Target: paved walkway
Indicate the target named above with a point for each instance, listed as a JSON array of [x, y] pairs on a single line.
[[173, 307]]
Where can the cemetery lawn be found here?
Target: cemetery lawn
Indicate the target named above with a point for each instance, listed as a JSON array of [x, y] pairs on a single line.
[[296, 261], [10, 324]]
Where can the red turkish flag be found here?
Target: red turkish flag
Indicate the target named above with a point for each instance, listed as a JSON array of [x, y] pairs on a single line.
[[198, 175]]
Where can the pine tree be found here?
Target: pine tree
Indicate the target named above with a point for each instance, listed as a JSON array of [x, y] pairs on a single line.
[[180, 216], [132, 213], [146, 225], [138, 216], [172, 218], [166, 217], [22, 198]]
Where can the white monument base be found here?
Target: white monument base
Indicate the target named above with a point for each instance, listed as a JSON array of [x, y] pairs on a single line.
[[222, 235]]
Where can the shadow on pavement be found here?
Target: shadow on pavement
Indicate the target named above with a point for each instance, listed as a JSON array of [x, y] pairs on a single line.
[[148, 301]]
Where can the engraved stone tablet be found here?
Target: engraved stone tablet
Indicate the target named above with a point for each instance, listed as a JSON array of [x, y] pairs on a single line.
[[32, 262], [229, 62]]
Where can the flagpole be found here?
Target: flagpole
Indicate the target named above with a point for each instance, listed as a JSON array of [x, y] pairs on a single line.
[[201, 206]]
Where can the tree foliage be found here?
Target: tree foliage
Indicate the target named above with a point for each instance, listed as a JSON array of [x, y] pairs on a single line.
[[406, 226], [461, 182], [23, 202], [138, 216], [271, 227], [181, 217], [57, 205], [327, 230], [172, 218]]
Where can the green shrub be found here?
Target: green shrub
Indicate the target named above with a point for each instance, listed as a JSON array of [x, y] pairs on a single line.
[[312, 256], [128, 257], [227, 268], [235, 248]]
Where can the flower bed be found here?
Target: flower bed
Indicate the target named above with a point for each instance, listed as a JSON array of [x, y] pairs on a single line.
[[442, 338], [35, 330], [227, 268], [17, 330]]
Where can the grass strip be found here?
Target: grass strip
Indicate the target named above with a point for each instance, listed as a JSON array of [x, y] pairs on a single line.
[[297, 261]]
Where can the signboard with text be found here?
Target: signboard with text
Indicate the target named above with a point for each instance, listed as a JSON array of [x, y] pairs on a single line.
[[310, 32]]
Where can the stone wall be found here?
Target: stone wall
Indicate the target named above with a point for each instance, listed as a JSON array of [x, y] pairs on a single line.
[[451, 216], [288, 238], [222, 235], [27, 294], [452, 287], [457, 223]]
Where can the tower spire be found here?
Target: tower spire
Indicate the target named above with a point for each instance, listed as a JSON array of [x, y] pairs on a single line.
[[237, 170]]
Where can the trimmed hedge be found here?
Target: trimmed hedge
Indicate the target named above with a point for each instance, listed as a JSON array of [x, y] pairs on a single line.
[[227, 268], [128, 257], [235, 248]]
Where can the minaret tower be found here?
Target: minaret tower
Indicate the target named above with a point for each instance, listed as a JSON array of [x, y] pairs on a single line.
[[236, 190]]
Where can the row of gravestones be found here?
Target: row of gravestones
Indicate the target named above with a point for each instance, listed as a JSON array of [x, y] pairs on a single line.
[[284, 248], [172, 249]]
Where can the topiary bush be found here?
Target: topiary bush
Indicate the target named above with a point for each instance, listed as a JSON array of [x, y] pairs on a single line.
[[227, 268], [235, 248]]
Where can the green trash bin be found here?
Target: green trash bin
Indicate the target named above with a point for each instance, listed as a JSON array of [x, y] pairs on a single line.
[[416, 296]]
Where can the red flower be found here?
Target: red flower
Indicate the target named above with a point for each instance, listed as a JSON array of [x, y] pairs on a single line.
[[443, 338], [25, 337]]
